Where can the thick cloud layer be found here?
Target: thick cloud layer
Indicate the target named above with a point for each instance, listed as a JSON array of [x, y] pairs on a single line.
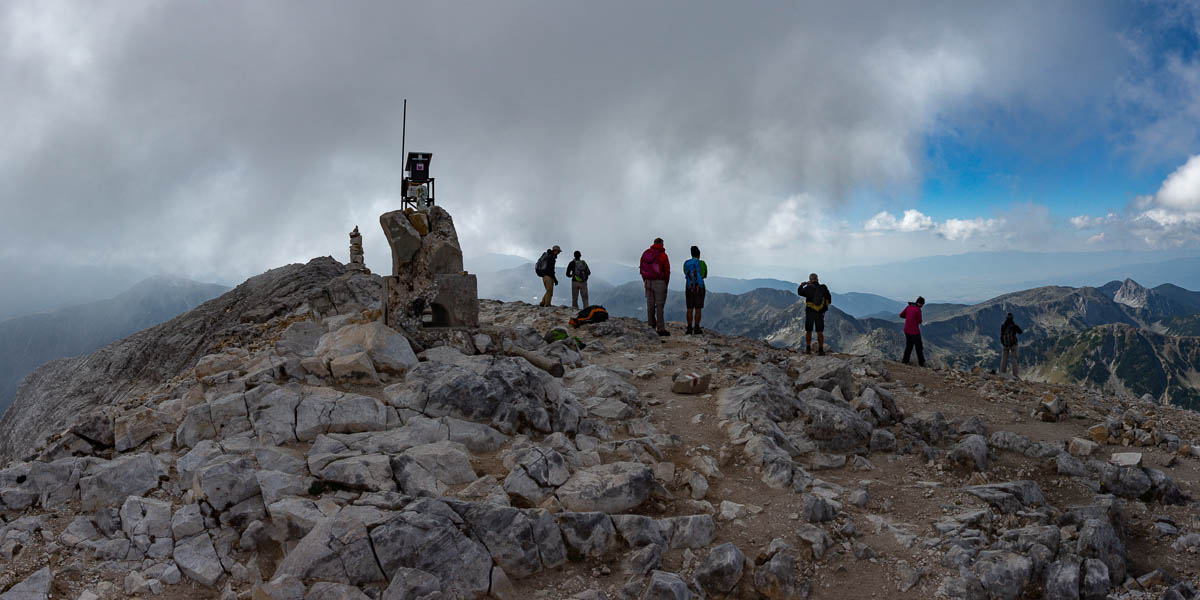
[[218, 139]]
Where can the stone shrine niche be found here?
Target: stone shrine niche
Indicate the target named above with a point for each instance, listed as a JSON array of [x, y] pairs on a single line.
[[428, 287]]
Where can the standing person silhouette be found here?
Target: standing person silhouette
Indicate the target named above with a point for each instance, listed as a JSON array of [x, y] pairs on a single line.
[[694, 272], [1008, 340], [816, 302], [912, 330], [655, 269], [579, 272]]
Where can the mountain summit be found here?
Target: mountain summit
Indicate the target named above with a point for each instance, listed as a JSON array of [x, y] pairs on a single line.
[[280, 441]]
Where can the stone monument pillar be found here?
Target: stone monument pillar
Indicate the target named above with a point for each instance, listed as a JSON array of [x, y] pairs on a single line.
[[356, 252], [428, 287]]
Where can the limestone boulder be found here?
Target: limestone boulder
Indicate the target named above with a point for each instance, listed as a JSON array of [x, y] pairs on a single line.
[[367, 472], [138, 426], [109, 483], [971, 452], [430, 469], [354, 368], [34, 587], [226, 481], [721, 570], [522, 542], [300, 338], [272, 411], [610, 488], [338, 549], [388, 350], [692, 382], [197, 559], [434, 544], [587, 534], [403, 238], [666, 586], [836, 426], [325, 410], [146, 517]]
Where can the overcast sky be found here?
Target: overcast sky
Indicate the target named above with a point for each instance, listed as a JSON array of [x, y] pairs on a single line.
[[219, 139]]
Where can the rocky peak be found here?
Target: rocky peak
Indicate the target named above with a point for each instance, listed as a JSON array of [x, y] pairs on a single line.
[[1132, 294], [286, 443]]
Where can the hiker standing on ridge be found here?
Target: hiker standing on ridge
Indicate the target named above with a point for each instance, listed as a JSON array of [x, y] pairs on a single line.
[[545, 269], [912, 330], [656, 272], [579, 272], [694, 272], [816, 302], [1008, 339]]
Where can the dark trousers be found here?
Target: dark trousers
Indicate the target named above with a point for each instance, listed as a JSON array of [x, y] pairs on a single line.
[[914, 341]]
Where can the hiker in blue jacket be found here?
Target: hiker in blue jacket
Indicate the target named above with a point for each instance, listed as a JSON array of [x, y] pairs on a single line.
[[694, 272]]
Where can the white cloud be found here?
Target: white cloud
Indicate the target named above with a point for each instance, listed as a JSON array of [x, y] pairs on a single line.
[[914, 220], [1090, 222], [545, 124], [1180, 193], [1169, 217]]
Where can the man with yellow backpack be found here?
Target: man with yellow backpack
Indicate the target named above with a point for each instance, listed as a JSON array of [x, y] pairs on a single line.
[[816, 301]]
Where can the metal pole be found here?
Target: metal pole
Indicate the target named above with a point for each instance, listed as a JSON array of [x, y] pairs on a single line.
[[403, 132]]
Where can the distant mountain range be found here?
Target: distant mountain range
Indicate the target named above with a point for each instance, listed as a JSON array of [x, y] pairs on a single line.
[[28, 341], [1121, 335], [960, 279]]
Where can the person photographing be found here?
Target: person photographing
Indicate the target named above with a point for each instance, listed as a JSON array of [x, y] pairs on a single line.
[[817, 300]]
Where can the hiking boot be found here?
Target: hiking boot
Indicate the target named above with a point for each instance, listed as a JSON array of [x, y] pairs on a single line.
[[807, 350], [821, 352], [663, 333], [696, 330], [689, 331]]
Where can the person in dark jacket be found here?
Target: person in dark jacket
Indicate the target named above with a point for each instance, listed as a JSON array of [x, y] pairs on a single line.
[[579, 272], [1008, 340], [545, 270], [816, 302], [912, 330]]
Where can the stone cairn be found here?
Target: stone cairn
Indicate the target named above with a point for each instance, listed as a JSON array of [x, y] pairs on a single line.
[[357, 262], [428, 287]]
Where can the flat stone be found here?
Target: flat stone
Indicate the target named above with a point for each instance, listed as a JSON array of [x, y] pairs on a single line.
[[610, 488], [1126, 459], [197, 559], [110, 483]]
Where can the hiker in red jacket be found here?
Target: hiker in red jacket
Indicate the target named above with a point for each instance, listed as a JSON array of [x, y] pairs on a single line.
[[656, 272], [912, 330]]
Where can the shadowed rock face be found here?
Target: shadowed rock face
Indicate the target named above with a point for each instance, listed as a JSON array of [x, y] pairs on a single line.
[[59, 391]]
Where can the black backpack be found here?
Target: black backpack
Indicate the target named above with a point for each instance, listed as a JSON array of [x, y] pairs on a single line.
[[543, 268], [1008, 335]]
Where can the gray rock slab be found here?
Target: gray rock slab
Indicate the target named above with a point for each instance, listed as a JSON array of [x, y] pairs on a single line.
[[610, 488], [197, 559]]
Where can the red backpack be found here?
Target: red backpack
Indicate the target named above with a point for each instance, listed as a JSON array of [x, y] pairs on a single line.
[[651, 268]]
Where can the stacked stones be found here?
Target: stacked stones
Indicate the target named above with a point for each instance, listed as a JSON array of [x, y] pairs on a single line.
[[356, 252], [427, 273]]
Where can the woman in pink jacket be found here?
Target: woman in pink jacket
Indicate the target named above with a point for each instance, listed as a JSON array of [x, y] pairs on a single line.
[[912, 330]]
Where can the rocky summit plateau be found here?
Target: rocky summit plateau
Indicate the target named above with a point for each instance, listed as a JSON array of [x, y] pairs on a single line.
[[281, 442]]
